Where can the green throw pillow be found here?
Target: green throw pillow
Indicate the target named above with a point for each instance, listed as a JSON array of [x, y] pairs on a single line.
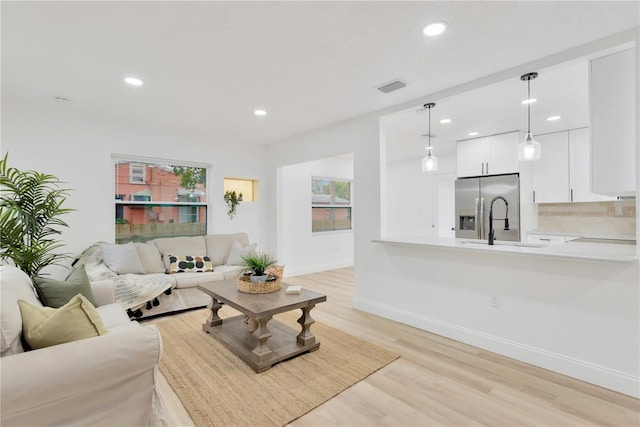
[[56, 293], [46, 326]]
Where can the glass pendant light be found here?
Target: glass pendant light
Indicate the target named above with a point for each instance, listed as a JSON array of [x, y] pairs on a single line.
[[529, 149], [429, 162]]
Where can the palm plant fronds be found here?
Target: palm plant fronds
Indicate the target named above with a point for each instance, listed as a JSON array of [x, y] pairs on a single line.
[[30, 209]]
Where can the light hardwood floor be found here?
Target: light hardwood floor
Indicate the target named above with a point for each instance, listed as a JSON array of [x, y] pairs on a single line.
[[441, 382]]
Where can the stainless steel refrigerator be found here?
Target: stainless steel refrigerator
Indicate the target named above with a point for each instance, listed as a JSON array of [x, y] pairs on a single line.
[[473, 203]]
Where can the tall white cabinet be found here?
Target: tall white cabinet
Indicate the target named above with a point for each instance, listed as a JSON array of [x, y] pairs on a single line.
[[613, 115]]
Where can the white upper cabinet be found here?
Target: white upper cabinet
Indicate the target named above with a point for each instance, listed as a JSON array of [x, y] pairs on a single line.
[[492, 155], [612, 91], [563, 172], [472, 156], [550, 174], [503, 153], [580, 168]]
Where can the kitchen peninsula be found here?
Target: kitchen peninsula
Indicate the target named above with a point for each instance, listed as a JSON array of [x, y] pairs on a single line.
[[621, 252]]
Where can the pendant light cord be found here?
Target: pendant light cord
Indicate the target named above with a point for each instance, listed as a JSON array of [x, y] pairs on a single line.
[[529, 106], [430, 147]]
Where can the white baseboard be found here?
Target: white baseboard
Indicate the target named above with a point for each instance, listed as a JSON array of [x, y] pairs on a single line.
[[288, 272], [592, 373]]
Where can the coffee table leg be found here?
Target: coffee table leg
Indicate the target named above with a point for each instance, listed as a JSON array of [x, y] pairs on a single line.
[[214, 319], [262, 351], [306, 337]]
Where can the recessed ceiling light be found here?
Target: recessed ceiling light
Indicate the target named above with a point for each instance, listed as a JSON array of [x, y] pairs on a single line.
[[529, 101], [434, 28], [553, 118], [473, 133], [445, 121], [133, 81], [260, 112]]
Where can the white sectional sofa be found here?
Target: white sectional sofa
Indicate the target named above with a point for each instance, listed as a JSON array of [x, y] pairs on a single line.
[[150, 290], [106, 380]]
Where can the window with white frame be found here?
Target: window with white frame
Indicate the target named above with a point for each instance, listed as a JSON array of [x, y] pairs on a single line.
[[159, 198], [330, 204]]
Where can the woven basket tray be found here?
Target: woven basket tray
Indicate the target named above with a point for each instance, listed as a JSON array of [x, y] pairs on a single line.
[[248, 287]]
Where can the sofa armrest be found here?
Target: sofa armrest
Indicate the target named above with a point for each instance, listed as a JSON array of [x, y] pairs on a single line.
[[104, 292], [105, 380]]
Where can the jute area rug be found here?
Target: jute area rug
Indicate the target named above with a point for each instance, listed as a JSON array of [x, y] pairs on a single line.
[[219, 389]]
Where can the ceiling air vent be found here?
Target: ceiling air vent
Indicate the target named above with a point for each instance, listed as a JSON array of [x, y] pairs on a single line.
[[392, 86]]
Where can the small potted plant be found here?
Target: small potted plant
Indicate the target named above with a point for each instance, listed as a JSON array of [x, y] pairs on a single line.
[[256, 265]]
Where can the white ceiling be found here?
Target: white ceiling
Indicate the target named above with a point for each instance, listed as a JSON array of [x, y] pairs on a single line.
[[562, 90], [208, 65]]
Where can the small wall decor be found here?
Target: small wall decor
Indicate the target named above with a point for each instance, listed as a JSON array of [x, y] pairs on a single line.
[[232, 199]]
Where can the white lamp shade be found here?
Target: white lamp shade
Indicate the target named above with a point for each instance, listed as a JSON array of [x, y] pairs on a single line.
[[429, 163], [529, 149]]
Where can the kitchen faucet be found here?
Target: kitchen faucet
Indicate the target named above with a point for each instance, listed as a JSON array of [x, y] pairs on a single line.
[[506, 218]]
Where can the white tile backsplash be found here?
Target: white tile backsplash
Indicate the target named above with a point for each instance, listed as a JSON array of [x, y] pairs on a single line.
[[614, 218]]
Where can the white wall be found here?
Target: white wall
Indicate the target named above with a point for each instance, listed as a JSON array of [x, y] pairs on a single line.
[[61, 140], [300, 250], [411, 200], [578, 318]]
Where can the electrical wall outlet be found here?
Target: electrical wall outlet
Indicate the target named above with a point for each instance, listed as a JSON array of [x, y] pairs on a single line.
[[494, 301]]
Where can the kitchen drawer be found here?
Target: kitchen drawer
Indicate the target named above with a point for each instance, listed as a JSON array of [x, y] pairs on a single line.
[[548, 239]]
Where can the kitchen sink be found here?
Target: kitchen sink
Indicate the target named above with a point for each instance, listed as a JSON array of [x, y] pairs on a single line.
[[501, 243]]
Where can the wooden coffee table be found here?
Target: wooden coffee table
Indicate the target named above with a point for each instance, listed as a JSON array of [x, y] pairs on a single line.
[[262, 347]]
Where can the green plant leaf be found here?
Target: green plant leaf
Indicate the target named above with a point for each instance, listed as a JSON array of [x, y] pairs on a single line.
[[30, 209]]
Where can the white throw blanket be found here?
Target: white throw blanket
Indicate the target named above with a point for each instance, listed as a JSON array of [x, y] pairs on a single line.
[[132, 291]]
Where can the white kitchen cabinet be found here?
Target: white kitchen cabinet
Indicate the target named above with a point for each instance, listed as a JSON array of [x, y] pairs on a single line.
[[550, 174], [503, 153], [613, 115], [580, 168], [471, 156], [548, 239], [491, 155], [563, 172]]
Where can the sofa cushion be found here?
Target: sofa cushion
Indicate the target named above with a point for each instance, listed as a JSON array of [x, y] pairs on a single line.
[[179, 246], [122, 259], [15, 285], [190, 280], [229, 271], [150, 258], [219, 245], [56, 293], [46, 326], [99, 271], [114, 316], [189, 264], [237, 252]]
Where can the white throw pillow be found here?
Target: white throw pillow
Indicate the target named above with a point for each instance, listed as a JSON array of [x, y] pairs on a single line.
[[122, 259], [99, 271], [150, 258], [237, 252]]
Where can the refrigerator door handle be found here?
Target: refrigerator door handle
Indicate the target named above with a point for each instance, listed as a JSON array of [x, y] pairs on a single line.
[[481, 228], [478, 222]]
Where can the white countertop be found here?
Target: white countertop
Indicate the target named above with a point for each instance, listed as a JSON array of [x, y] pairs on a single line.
[[589, 235], [597, 252]]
